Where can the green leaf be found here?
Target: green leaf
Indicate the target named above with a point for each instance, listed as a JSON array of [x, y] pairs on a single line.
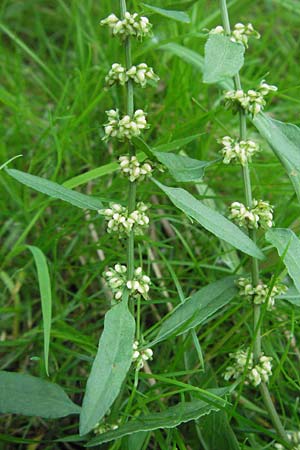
[[222, 58], [170, 418], [217, 433], [199, 308], [284, 139], [110, 366], [211, 220], [183, 168], [180, 16], [46, 297], [288, 247], [32, 396], [56, 190], [193, 58], [177, 144]]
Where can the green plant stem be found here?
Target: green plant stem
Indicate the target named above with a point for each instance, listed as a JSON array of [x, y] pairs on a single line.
[[254, 262], [132, 185]]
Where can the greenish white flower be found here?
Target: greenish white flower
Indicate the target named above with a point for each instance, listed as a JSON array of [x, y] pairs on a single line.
[[132, 25], [116, 75], [116, 278], [126, 127], [122, 222], [243, 216], [133, 169], [251, 101], [102, 427], [240, 33], [260, 215], [140, 356], [140, 74], [244, 362], [140, 284], [261, 293], [241, 151]]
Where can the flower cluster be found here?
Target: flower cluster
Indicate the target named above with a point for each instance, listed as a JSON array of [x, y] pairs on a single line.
[[140, 74], [140, 356], [122, 222], [117, 280], [103, 427], [251, 101], [133, 169], [255, 374], [126, 127], [294, 438], [240, 33], [234, 150], [261, 293], [260, 215], [132, 25]]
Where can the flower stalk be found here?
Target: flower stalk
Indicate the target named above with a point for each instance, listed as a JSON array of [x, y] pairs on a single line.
[[257, 318]]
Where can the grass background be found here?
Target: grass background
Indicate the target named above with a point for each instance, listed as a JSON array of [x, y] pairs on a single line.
[[54, 57]]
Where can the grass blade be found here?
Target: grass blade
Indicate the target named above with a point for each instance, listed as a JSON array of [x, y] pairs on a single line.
[[46, 297]]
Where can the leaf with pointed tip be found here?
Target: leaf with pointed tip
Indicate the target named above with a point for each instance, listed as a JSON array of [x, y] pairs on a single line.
[[211, 220], [222, 58], [46, 297], [170, 418], [199, 308], [31, 396], [110, 366], [55, 190], [288, 247]]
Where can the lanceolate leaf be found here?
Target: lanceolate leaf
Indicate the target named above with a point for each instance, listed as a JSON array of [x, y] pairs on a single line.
[[110, 366], [288, 247], [32, 396], [199, 308], [211, 220], [284, 139], [46, 297], [55, 190], [223, 58], [183, 168], [180, 16], [170, 418]]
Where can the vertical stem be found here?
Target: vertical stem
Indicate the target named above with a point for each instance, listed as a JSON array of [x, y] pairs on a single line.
[[132, 185], [252, 234]]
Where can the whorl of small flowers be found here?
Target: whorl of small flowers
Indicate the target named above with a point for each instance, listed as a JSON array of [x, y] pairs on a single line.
[[116, 278], [294, 438], [260, 215], [132, 25], [251, 101], [140, 356], [126, 127], [240, 33], [261, 293], [133, 169], [122, 222], [234, 150], [140, 74], [255, 373]]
